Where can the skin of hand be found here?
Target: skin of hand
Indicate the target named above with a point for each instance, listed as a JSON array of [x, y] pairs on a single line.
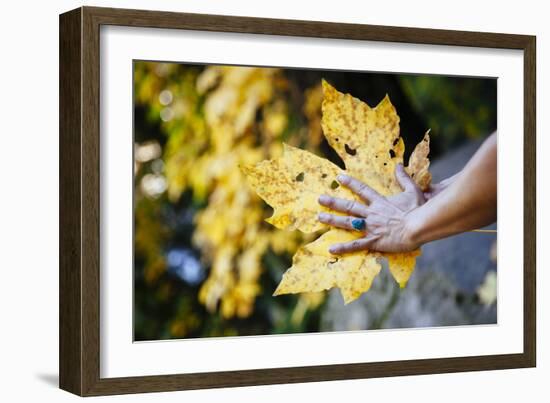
[[404, 222], [382, 219], [437, 188]]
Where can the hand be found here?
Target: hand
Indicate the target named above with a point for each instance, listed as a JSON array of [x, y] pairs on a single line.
[[383, 220]]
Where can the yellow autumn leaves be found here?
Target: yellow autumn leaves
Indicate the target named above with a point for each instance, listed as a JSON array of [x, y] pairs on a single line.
[[367, 140], [216, 128], [228, 230]]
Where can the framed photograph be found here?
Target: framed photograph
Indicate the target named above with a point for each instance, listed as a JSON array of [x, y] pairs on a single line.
[[249, 201]]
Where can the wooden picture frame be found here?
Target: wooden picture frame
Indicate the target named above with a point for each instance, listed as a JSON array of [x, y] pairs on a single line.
[[80, 200]]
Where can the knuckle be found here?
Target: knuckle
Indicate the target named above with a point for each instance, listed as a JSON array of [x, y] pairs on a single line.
[[365, 194]]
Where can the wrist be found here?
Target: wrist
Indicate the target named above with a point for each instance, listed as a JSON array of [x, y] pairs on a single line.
[[413, 230]]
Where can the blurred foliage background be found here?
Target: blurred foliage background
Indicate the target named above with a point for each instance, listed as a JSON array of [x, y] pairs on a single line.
[[206, 263]]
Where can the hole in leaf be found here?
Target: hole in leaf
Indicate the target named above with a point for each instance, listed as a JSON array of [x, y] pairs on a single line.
[[323, 176], [392, 154], [300, 177], [385, 163], [333, 261], [337, 139], [396, 141], [349, 150], [334, 185]]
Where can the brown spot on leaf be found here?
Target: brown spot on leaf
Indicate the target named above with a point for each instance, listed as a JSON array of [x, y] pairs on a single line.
[[349, 150]]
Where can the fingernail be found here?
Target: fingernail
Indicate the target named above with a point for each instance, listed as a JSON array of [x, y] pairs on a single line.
[[342, 178], [324, 199], [332, 249], [322, 216]]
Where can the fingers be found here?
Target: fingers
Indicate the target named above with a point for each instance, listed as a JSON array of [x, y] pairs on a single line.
[[358, 187], [345, 222], [350, 207], [404, 180], [354, 246]]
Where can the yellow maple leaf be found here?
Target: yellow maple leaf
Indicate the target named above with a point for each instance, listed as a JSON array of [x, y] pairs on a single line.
[[367, 139]]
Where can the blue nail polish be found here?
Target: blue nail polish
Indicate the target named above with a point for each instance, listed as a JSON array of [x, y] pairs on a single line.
[[358, 224]]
